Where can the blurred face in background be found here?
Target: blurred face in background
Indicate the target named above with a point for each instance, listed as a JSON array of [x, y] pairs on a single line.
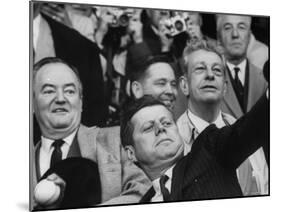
[[234, 35], [157, 15], [160, 82]]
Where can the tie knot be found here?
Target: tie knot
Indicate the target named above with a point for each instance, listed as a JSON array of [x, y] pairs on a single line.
[[58, 143], [236, 69]]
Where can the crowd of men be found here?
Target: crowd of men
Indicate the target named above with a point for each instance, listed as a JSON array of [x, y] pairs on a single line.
[[130, 107]]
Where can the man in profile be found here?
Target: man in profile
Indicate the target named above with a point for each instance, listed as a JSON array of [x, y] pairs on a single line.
[[58, 105]]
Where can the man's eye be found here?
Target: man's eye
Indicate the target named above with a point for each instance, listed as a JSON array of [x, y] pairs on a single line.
[[199, 69], [69, 91], [218, 71], [48, 91], [167, 123], [148, 128], [161, 83]]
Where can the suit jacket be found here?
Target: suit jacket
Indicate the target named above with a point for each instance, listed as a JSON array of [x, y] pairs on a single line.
[[209, 170], [121, 181]]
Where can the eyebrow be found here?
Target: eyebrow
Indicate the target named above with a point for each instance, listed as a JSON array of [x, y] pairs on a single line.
[[53, 86], [47, 85]]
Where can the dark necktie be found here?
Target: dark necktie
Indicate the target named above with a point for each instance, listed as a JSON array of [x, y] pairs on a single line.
[[165, 192], [239, 86], [57, 153]]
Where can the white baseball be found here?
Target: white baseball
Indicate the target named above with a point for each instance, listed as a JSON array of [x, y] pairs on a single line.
[[46, 192]]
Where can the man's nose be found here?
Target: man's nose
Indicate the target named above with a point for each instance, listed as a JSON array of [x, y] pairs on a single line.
[[235, 33], [169, 88], [159, 128], [60, 98], [210, 74]]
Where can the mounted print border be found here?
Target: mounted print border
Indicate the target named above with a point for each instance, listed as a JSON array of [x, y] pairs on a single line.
[[91, 64]]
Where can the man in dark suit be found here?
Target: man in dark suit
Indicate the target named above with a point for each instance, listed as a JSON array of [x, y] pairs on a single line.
[[58, 106], [151, 139]]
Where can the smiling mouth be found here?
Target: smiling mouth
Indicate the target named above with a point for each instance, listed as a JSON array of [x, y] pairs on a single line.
[[60, 110]]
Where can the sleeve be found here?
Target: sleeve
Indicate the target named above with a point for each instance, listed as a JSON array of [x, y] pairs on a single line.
[[232, 144]]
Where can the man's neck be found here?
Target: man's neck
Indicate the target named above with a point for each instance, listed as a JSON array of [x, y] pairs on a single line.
[[207, 112]]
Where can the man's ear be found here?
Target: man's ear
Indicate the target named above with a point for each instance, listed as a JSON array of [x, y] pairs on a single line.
[[130, 150], [184, 85], [137, 89]]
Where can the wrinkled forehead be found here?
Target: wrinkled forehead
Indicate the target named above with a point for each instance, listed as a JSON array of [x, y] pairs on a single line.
[[204, 56], [233, 19], [55, 73], [150, 113]]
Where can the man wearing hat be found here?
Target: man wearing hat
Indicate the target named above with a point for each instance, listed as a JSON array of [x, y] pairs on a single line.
[[57, 98]]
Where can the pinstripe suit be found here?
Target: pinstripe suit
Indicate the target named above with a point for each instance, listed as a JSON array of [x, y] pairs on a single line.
[[209, 170]]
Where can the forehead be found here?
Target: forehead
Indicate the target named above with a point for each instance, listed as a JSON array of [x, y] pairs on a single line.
[[150, 113], [55, 73], [235, 19], [159, 71], [205, 56]]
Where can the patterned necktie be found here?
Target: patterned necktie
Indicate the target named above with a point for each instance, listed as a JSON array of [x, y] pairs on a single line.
[[165, 192], [57, 153]]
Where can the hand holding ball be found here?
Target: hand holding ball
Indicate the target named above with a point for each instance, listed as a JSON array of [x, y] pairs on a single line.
[[46, 192]]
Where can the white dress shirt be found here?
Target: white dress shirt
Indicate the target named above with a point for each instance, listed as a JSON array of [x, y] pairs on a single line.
[[241, 73], [47, 149], [158, 197], [201, 124]]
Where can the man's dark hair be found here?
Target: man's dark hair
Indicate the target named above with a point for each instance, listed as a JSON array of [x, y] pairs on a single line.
[[130, 109], [53, 60], [136, 70]]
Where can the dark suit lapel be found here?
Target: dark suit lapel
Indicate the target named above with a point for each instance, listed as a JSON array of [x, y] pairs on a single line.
[[148, 196], [230, 98]]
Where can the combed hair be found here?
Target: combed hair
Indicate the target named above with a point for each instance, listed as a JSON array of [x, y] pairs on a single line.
[[130, 109], [52, 60], [137, 72], [195, 46]]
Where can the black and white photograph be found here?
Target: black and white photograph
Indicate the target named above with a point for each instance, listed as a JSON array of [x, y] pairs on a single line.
[[139, 105]]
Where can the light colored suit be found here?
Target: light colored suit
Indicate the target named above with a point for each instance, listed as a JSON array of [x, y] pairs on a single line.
[[256, 87], [122, 182], [257, 52]]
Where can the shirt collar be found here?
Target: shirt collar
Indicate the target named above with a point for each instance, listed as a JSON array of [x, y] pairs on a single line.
[[241, 65], [47, 143], [200, 124]]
